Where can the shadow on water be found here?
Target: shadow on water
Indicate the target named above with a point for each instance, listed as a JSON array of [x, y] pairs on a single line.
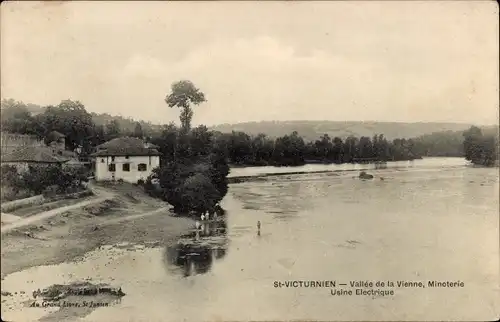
[[194, 253]]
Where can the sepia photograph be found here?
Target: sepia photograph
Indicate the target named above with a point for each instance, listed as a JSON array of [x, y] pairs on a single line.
[[220, 161]]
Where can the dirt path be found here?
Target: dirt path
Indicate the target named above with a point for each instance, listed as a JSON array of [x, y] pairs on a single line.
[[121, 213], [51, 213], [9, 218], [133, 217]]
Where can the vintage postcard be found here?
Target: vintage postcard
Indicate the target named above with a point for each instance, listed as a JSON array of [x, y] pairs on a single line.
[[250, 161]]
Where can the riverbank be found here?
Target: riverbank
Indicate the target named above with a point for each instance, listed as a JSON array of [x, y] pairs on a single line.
[[238, 175], [68, 236]]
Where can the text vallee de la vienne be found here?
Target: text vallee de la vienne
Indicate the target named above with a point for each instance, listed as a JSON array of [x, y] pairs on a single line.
[[367, 288]]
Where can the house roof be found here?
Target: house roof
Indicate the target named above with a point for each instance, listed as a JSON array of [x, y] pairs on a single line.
[[54, 136], [126, 146], [37, 154]]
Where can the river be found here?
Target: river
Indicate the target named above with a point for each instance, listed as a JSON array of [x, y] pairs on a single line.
[[431, 219]]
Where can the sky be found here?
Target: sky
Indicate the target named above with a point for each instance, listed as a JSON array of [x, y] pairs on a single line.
[[408, 61]]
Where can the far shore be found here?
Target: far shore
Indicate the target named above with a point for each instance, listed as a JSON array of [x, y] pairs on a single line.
[[262, 173]]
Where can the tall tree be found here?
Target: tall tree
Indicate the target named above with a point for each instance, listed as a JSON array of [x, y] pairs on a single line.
[[472, 139], [337, 150], [183, 95]]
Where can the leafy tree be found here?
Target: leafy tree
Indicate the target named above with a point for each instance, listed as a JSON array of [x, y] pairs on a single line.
[[98, 135], [71, 119], [200, 141], [218, 172], [166, 140], [183, 95], [289, 150], [324, 147], [194, 176], [181, 178], [16, 117], [488, 151], [138, 132], [240, 148], [262, 148], [480, 149], [365, 148], [473, 137], [350, 148], [338, 151], [198, 193], [382, 149], [113, 130]]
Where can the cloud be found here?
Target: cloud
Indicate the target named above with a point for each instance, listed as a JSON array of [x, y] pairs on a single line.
[[255, 78], [263, 78], [327, 60]]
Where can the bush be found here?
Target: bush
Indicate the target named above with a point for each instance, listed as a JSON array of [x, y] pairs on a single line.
[[8, 193], [154, 190], [50, 191], [140, 182], [198, 193], [47, 179], [9, 174]]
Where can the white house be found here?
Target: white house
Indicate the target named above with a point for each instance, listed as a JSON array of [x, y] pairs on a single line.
[[125, 158]]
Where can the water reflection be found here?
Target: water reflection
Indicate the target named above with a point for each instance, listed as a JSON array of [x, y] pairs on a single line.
[[195, 252]]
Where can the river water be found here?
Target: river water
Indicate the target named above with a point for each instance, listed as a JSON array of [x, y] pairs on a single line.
[[432, 219]]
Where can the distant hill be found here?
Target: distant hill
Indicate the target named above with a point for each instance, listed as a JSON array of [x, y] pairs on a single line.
[[126, 124], [309, 130], [35, 109], [312, 130]]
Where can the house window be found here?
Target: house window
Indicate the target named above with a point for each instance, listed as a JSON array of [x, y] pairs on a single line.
[[126, 157], [142, 167], [112, 159], [112, 167], [126, 167], [102, 160]]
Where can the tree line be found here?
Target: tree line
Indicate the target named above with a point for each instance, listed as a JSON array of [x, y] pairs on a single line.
[[194, 167], [72, 119], [69, 118], [480, 149]]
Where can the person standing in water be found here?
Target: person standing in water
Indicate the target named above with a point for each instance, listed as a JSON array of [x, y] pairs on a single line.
[[197, 232], [258, 227]]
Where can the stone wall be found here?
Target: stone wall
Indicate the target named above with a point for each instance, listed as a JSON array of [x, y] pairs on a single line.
[[11, 141]]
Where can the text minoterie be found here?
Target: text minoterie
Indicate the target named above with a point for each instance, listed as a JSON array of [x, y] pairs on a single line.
[[369, 284]]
